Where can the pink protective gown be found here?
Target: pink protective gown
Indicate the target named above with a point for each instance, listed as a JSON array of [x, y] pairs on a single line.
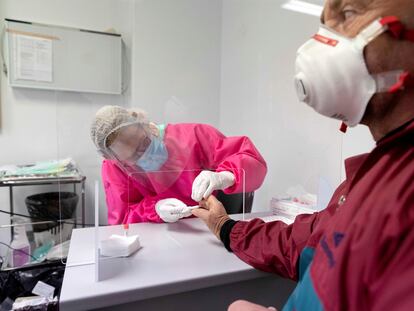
[[191, 148]]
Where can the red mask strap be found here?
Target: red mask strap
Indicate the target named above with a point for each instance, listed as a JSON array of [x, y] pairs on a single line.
[[406, 80], [397, 29]]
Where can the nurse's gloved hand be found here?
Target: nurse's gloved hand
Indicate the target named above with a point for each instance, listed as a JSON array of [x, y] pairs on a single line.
[[207, 182], [170, 210]]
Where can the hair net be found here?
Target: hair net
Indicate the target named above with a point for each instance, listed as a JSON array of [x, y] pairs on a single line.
[[109, 119]]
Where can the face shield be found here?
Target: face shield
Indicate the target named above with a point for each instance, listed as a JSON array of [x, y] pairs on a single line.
[[147, 154], [127, 143]]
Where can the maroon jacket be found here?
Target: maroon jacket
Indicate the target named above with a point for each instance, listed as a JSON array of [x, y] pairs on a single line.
[[358, 253]]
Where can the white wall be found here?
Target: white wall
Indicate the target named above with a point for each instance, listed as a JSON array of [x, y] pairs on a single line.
[[41, 125], [176, 69]]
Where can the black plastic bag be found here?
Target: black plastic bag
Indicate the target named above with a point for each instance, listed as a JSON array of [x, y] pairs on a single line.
[[20, 282]]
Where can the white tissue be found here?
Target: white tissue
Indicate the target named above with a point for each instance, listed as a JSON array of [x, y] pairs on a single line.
[[120, 246]]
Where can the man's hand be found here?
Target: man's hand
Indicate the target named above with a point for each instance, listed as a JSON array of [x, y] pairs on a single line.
[[242, 305], [212, 212]]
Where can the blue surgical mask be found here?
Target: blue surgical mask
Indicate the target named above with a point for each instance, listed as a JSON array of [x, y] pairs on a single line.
[[154, 156]]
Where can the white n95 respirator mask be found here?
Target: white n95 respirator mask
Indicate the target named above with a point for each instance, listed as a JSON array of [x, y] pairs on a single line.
[[332, 76]]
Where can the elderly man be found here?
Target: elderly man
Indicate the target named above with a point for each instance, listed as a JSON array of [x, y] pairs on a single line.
[[357, 254]]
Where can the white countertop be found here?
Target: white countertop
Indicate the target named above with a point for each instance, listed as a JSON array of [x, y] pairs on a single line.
[[174, 258]]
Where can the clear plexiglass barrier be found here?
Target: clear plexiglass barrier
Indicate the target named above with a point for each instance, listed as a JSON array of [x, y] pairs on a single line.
[[164, 201]]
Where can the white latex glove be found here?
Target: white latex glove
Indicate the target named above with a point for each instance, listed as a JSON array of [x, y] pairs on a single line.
[[207, 182], [170, 210]]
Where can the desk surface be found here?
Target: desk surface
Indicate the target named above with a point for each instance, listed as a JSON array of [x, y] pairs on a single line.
[[175, 258]]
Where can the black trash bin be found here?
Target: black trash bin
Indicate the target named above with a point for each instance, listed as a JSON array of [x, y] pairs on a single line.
[[51, 206]]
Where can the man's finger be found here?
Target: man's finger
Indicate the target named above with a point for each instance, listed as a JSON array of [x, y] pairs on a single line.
[[200, 213], [212, 200], [203, 203]]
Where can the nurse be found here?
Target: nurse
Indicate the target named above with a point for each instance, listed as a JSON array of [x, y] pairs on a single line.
[[153, 173]]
